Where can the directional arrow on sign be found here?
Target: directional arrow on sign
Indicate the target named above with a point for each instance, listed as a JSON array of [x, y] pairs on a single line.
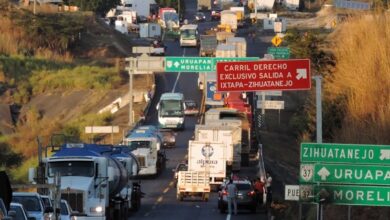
[[323, 173], [177, 64], [301, 74]]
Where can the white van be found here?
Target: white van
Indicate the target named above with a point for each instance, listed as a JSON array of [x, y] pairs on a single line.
[[171, 111]]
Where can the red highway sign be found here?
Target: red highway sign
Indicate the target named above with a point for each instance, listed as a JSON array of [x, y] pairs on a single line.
[[264, 75]]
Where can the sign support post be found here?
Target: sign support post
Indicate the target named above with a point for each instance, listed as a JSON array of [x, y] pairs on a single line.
[[319, 127], [318, 80]]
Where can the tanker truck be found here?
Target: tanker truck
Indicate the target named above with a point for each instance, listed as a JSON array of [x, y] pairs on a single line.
[[93, 180]]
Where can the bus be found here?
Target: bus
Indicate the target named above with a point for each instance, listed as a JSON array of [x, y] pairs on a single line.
[[189, 35], [171, 111]]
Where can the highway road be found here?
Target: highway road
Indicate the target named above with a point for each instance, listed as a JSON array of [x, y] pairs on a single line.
[[160, 194]]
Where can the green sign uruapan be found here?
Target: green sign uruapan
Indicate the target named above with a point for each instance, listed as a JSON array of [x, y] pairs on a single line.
[[199, 64], [345, 153], [355, 195], [279, 52], [345, 174]]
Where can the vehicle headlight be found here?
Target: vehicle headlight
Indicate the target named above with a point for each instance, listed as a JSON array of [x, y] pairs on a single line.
[[48, 216], [97, 209]]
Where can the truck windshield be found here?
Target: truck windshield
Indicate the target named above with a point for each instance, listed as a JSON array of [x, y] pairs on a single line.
[[171, 108], [139, 144], [71, 168], [171, 16], [188, 34]]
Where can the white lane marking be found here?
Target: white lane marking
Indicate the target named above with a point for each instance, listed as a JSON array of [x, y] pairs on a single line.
[[178, 75], [228, 217], [166, 190], [147, 214], [171, 183], [159, 199]]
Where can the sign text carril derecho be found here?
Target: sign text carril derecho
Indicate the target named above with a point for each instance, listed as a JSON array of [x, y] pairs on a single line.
[[345, 153], [270, 76], [263, 75]]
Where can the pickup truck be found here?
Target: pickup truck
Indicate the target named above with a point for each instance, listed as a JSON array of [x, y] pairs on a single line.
[[193, 183]]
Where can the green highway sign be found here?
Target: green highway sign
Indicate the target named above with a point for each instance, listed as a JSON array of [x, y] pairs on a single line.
[[279, 52], [345, 174], [199, 64], [355, 195], [345, 153]]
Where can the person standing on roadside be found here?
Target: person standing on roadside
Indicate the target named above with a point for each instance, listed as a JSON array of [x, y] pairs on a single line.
[[268, 185], [231, 189], [259, 187]]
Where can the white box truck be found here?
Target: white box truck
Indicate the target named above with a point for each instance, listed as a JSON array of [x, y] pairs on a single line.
[[240, 45], [229, 117], [209, 157], [229, 136]]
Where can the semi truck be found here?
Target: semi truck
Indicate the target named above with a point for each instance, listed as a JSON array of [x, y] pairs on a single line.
[[229, 116], [208, 45], [168, 18], [93, 181], [228, 21], [230, 137], [208, 157], [145, 143]]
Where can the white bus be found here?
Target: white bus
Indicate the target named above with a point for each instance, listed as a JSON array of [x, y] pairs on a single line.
[[171, 111], [189, 35]]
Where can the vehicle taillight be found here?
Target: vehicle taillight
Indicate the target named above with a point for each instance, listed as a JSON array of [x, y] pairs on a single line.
[[224, 193], [251, 193]]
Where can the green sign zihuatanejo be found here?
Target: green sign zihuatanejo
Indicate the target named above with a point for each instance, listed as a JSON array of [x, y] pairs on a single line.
[[279, 52], [354, 195], [345, 153], [199, 64], [346, 174]]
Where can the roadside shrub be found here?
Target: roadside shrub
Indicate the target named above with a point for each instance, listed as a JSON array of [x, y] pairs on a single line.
[[81, 77]]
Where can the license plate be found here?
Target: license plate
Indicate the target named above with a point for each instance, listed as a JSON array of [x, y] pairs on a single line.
[[240, 197]]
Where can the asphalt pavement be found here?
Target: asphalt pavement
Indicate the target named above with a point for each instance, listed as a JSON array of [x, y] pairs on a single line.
[[160, 194]]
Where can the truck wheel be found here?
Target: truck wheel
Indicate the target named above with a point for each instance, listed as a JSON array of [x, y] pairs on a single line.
[[179, 197]]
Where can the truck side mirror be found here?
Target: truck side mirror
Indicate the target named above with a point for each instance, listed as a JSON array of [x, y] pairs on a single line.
[[31, 174], [110, 173], [157, 106]]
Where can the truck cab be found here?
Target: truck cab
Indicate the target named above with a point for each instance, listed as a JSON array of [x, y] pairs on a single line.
[[93, 182], [145, 143]]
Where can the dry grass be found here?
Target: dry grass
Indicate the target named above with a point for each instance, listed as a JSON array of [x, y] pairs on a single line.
[[363, 76]]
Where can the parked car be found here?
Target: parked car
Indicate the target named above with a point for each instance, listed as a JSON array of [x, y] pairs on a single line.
[[199, 16], [168, 138], [20, 212], [33, 203], [3, 211], [182, 166], [246, 196], [66, 211], [191, 107]]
